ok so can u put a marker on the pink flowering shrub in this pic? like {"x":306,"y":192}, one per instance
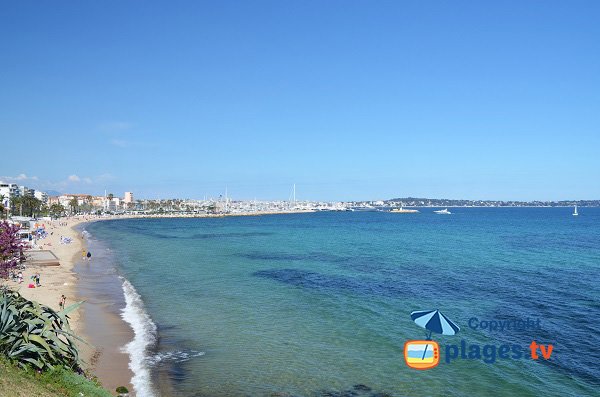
{"x":11,"y":247}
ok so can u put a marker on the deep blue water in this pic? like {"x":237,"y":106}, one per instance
{"x":319,"y":304}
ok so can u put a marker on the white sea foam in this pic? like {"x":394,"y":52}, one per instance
{"x":174,"y":356}
{"x":145,"y":337}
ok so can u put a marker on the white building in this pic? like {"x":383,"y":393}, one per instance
{"x":114,"y":204}
{"x":8,"y":191}
{"x":65,"y":199}
{"x":24,"y":191}
{"x":42,"y":196}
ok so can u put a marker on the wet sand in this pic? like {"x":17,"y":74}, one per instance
{"x":101,"y":320}
{"x":96,"y":321}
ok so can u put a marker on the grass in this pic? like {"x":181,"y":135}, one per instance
{"x":16,"y":382}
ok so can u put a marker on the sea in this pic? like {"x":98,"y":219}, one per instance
{"x":319,"y":304}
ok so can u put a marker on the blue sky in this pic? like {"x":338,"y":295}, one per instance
{"x":347,"y":99}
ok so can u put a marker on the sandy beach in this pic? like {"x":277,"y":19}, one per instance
{"x":97,"y":321}
{"x":103,"y":330}
{"x":57,"y":280}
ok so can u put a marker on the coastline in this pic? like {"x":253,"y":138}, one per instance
{"x":58,"y":280}
{"x":100,"y":321}
{"x":110,"y":366}
{"x":161,"y":379}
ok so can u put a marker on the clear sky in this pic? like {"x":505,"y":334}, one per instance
{"x":347,"y":99}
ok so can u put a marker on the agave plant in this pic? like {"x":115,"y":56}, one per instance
{"x":34,"y":334}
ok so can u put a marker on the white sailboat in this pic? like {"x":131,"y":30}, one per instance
{"x":575,"y":213}
{"x":443,"y":212}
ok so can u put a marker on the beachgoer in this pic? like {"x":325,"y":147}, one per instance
{"x":89,"y":255}
{"x":20,"y":277}
{"x":63,"y":300}
{"x":37,"y":280}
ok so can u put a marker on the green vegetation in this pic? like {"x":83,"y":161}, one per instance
{"x":26,"y":205}
{"x":38,"y":356}
{"x":56,"y":210}
{"x":74,"y":204}
{"x":18,"y":382}
{"x":2,"y":209}
{"x":34,"y":334}
{"x":432,"y":202}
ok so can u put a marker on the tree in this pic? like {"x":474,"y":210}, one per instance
{"x":2,"y":209}
{"x":89,"y":203}
{"x":16,"y":205}
{"x":25,"y":205}
{"x":31,"y":205}
{"x":11,"y":247}
{"x":56,"y":210}
{"x":44,"y":210}
{"x":73,"y":203}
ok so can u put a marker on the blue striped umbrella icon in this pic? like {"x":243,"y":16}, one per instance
{"x":434,"y":321}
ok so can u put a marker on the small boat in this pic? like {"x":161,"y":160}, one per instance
{"x":575,"y":211}
{"x":364,"y":208}
{"x":403,"y":211}
{"x":443,"y":212}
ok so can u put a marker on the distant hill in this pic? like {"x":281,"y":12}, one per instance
{"x":429,"y":202}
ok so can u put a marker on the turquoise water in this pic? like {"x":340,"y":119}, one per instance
{"x":319,"y":304}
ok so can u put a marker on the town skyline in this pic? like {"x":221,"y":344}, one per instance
{"x":8,"y":190}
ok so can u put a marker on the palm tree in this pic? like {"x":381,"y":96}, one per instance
{"x":16,"y":202}
{"x":73,"y":203}
{"x":30,"y":205}
{"x":87,"y":203}
{"x":44,"y":210}
{"x":56,"y":210}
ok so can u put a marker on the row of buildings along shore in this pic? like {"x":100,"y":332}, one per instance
{"x":9,"y":191}
{"x":11,"y":194}
{"x":109,"y":203}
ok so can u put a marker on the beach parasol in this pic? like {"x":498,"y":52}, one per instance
{"x":434,"y":321}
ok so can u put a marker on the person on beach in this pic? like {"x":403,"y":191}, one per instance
{"x":83,"y":254}
{"x":20,"y":277}
{"x":63,"y":301}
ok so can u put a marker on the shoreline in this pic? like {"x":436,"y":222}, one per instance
{"x":75,"y":228}
{"x":97,"y":321}
{"x":110,"y":366}
{"x":58,"y":280}
{"x":102,"y":322}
